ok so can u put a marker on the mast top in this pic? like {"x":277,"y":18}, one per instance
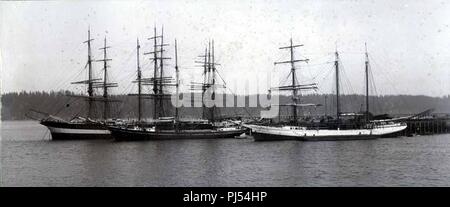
{"x":367,"y":54}
{"x":292,"y":60}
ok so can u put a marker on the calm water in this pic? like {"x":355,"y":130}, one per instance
{"x":29,"y":158}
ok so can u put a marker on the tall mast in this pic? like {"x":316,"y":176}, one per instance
{"x":213,"y":83}
{"x":294,"y":86}
{"x":209,"y":80}
{"x":161,"y":74}
{"x":139,"y":79}
{"x":90,"y":81}
{"x":367,"y":83}
{"x":177,"y":84}
{"x":105,"y":88}
{"x":336,"y":64}
{"x":294,"y":92}
{"x":97,"y":83}
{"x":208,"y":84}
{"x":155,"y":76}
{"x":205,"y":72}
{"x":105,"y":84}
{"x":158,"y":81}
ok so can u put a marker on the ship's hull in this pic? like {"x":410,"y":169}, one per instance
{"x":269,"y":133}
{"x":124,"y":134}
{"x":77,"y":131}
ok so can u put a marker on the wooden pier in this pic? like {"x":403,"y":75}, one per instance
{"x":427,"y":126}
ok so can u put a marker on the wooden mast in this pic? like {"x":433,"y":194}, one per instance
{"x":90,"y":80}
{"x":294,"y":85}
{"x":209,"y":80}
{"x":97,"y":83}
{"x":161,"y":75}
{"x":155,"y":76}
{"x":367,"y":83}
{"x":213,"y":82}
{"x":208,"y":83}
{"x":105,"y":84}
{"x":336,"y":64}
{"x":139,"y":80}
{"x":294,"y":92}
{"x":158,"y":81}
{"x":177,"y":84}
{"x":105,"y":81}
{"x":205,"y":72}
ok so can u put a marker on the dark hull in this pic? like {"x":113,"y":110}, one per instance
{"x":121,"y":134}
{"x":77,"y":131}
{"x":270,"y":137}
{"x":70,"y":136}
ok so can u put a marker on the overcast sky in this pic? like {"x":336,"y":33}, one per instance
{"x":408,"y":41}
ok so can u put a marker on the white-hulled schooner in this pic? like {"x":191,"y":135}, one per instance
{"x":331,"y":130}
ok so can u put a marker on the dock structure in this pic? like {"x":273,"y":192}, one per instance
{"x":428,"y":125}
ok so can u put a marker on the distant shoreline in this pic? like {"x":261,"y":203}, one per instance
{"x":16,"y":105}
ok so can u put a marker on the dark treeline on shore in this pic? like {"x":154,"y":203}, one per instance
{"x":16,"y":105}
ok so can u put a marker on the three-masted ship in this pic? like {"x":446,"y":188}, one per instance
{"x":162,"y":127}
{"x":86,"y":127}
{"x":336,"y":129}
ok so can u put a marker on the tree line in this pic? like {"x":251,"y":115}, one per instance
{"x":17,"y":105}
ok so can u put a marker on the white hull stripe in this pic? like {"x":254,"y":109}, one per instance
{"x":324,"y":132}
{"x":78,"y":131}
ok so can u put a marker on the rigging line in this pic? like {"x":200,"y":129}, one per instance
{"x":46,"y":102}
{"x":321,"y":72}
{"x":317,"y":64}
{"x":356,"y":53}
{"x":126,"y":63}
{"x":380,"y":67}
{"x":329,"y":71}
{"x":286,"y":79}
{"x":127,"y":88}
{"x":378,"y":104}
{"x":124,"y":77}
{"x":78,"y":112}
{"x":220,"y":76}
{"x":45,"y":134}
{"x":389,"y":81}
{"x":65,"y":105}
{"x":346,"y":80}
{"x":62,"y":83}
{"x":245,"y":108}
{"x":401,"y":97}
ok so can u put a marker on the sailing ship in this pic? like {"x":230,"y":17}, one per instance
{"x":162,"y":127}
{"x":337,"y":129}
{"x":86,"y":127}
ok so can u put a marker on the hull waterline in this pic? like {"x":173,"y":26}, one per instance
{"x":122,"y":134}
{"x":77,"y":131}
{"x":268,"y":133}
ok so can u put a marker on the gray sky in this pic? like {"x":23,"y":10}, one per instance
{"x":408,"y":41}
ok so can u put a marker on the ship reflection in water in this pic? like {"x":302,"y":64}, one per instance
{"x":28,"y":159}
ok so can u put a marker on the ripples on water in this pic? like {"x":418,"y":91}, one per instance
{"x":30,"y":159}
